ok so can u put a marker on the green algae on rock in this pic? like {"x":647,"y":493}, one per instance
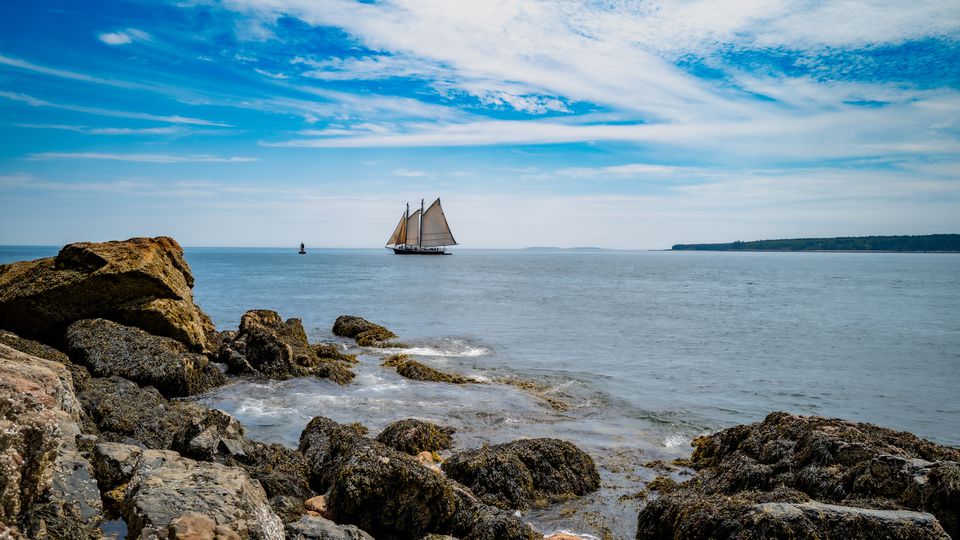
{"x":525,"y":473}
{"x":108,"y":348}
{"x":408,"y":367}
{"x":812,"y":476}
{"x":413,"y":436}
{"x":268,"y":346}
{"x":364,"y":332}
{"x":390,"y":494}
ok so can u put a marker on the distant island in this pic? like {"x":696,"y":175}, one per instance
{"x":921,"y":243}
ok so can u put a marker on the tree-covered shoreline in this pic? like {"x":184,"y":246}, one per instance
{"x":920,"y":243}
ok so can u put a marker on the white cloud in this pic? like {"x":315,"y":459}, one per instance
{"x":124,"y":37}
{"x":270,"y":74}
{"x":167,"y":130}
{"x":409,"y":172}
{"x":173,"y":119}
{"x":141,"y":158}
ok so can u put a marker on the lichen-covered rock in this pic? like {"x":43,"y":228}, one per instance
{"x":268,"y":346}
{"x":318,"y":528}
{"x":108,"y":348}
{"x":46,"y":485}
{"x":525,"y":473}
{"x":411,"y":369}
{"x":164,"y":486}
{"x":364,"y":332}
{"x":413,"y":436}
{"x":33,"y":348}
{"x":142,"y":282}
{"x":389,"y":494}
{"x":856,"y":465}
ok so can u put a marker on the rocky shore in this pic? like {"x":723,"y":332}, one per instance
{"x":99,"y":345}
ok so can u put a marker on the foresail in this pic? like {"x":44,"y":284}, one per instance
{"x":436,"y":230}
{"x":413,"y":229}
{"x":400,"y":233}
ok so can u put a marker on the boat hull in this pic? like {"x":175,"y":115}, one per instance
{"x":416,"y":251}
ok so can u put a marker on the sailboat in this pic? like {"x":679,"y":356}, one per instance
{"x":425,"y":232}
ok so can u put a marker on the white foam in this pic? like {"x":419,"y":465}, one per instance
{"x":432,"y":351}
{"x":675,"y":441}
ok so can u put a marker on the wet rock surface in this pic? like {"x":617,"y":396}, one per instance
{"x":46,"y":485}
{"x":142,"y":282}
{"x":525,"y":473}
{"x":107,"y":348}
{"x":390,"y":494}
{"x":413,"y":436}
{"x":364,"y":332}
{"x":268,"y":346}
{"x":408,"y":367}
{"x":781,"y":474}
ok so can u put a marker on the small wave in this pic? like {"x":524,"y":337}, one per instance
{"x":433,"y":351}
{"x":583,"y":536}
{"x":675,"y":441}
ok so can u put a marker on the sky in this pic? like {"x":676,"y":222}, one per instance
{"x":618,"y":124}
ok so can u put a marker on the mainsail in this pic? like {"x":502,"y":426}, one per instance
{"x":413,"y":229}
{"x":400,"y":233}
{"x":436,"y":230}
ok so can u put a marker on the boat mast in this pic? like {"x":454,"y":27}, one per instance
{"x":406,"y":227}
{"x":420,"y":233}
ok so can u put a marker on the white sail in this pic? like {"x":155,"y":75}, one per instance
{"x":400,"y":233}
{"x":413,"y":229}
{"x":436,"y":230}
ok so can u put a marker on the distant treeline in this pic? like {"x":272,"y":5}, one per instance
{"x":928,"y":242}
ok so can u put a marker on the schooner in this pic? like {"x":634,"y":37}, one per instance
{"x":425,"y":232}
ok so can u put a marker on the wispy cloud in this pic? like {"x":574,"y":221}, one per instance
{"x":409,"y":172}
{"x":123,"y":37}
{"x":141,"y":158}
{"x":167,"y":130}
{"x":172,"y":119}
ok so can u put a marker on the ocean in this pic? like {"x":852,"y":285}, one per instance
{"x":646,"y":349}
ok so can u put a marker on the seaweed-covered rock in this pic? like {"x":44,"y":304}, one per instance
{"x":268,"y":346}
{"x":108,"y":348}
{"x":411,"y":369}
{"x":142,"y":282}
{"x":46,"y":485}
{"x":164,"y":486}
{"x":413,"y":436}
{"x":331,"y":351}
{"x":364,"y":332}
{"x":388,"y":493}
{"x":524,"y":473}
{"x":855,"y":465}
{"x":318,"y":528}
{"x":124,"y":412}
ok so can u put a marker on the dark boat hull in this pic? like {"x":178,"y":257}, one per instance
{"x":415,"y":251}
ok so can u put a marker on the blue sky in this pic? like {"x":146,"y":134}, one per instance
{"x":569,"y":123}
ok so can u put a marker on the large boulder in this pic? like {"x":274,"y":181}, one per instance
{"x":164,"y":487}
{"x":525,"y":473}
{"x":268,"y":346}
{"x":46,"y":485}
{"x":364,"y":332}
{"x":841,"y":463}
{"x":108,"y":348}
{"x":413,"y":436}
{"x":142,"y":282}
{"x":390,"y":494}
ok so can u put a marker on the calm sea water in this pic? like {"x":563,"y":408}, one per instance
{"x":649,"y":348}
